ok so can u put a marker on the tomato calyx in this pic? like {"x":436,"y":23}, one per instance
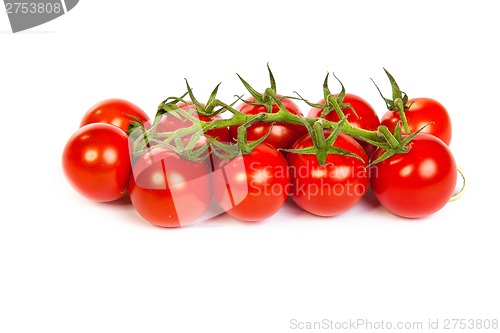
{"x":332,"y":102}
{"x":399,"y":143}
{"x":242,"y":146}
{"x":267,"y":98}
{"x":399,"y":101}
{"x":323,"y":146}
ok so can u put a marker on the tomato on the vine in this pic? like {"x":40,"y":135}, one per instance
{"x":333,"y":188}
{"x":96,"y":162}
{"x":282,"y":135}
{"x":168,"y":190}
{"x":420,"y":112}
{"x":417,"y":183}
{"x":116,"y":112}
{"x":365,"y":117}
{"x":254,"y":186}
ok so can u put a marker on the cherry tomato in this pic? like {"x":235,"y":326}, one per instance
{"x":170,"y":123}
{"x":115,"y":112}
{"x":333,"y":188}
{"x":96,"y":162}
{"x":421,"y":112}
{"x":282,"y":135}
{"x":252,"y":187}
{"x":168,"y":190}
{"x":366,"y":117}
{"x":417,"y":183}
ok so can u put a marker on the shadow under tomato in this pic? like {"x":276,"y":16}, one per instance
{"x":123,"y":201}
{"x":370,"y":200}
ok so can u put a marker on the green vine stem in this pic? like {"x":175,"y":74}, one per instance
{"x":381,"y":138}
{"x":378,"y":138}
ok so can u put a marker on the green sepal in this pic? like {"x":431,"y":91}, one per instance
{"x":307,"y":151}
{"x":271,"y":79}
{"x":229,"y":150}
{"x":335,"y":133}
{"x":170,"y":109}
{"x":331,"y":149}
{"x":398,"y":102}
{"x":243,"y":144}
{"x":326,"y":89}
{"x":171,"y":100}
{"x":397,"y":132}
{"x":133,"y":124}
{"x":211,"y":103}
{"x":251,"y":145}
{"x":314,"y":105}
{"x":313,"y":150}
{"x":340,"y":98}
{"x":396,"y":91}
{"x":410,"y":137}
{"x":255,"y":94}
{"x":403,"y":147}
{"x":385,"y":155}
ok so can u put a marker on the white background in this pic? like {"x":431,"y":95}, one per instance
{"x":70,"y":265}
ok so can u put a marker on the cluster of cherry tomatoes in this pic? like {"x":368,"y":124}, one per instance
{"x":170,"y":190}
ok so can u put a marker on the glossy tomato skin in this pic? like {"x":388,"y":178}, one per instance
{"x":282,"y":135}
{"x":421,"y":112}
{"x":170,"y":123}
{"x":366,"y":117}
{"x":252,"y":187}
{"x":418,"y":183}
{"x":331,"y":189}
{"x":114,"y":111}
{"x":168,"y":190}
{"x":96,"y":162}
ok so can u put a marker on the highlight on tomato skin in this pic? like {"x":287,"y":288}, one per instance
{"x":168,"y":190}
{"x":418,"y":183}
{"x":96,"y":162}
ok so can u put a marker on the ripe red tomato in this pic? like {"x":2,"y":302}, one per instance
{"x":115,"y":112}
{"x":421,"y":112}
{"x":168,"y":190}
{"x":252,"y":187}
{"x":366,"y":117}
{"x":333,"y":188}
{"x":96,"y":162}
{"x":282,"y":135}
{"x":170,"y":123}
{"x":417,"y":183}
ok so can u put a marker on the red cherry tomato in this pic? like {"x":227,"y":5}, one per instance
{"x":96,"y":162}
{"x":421,"y":112}
{"x":333,"y":188}
{"x":366,"y":117}
{"x":115,"y":112}
{"x":282,"y":135}
{"x":168,"y":190}
{"x":252,"y":187}
{"x":417,"y":183}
